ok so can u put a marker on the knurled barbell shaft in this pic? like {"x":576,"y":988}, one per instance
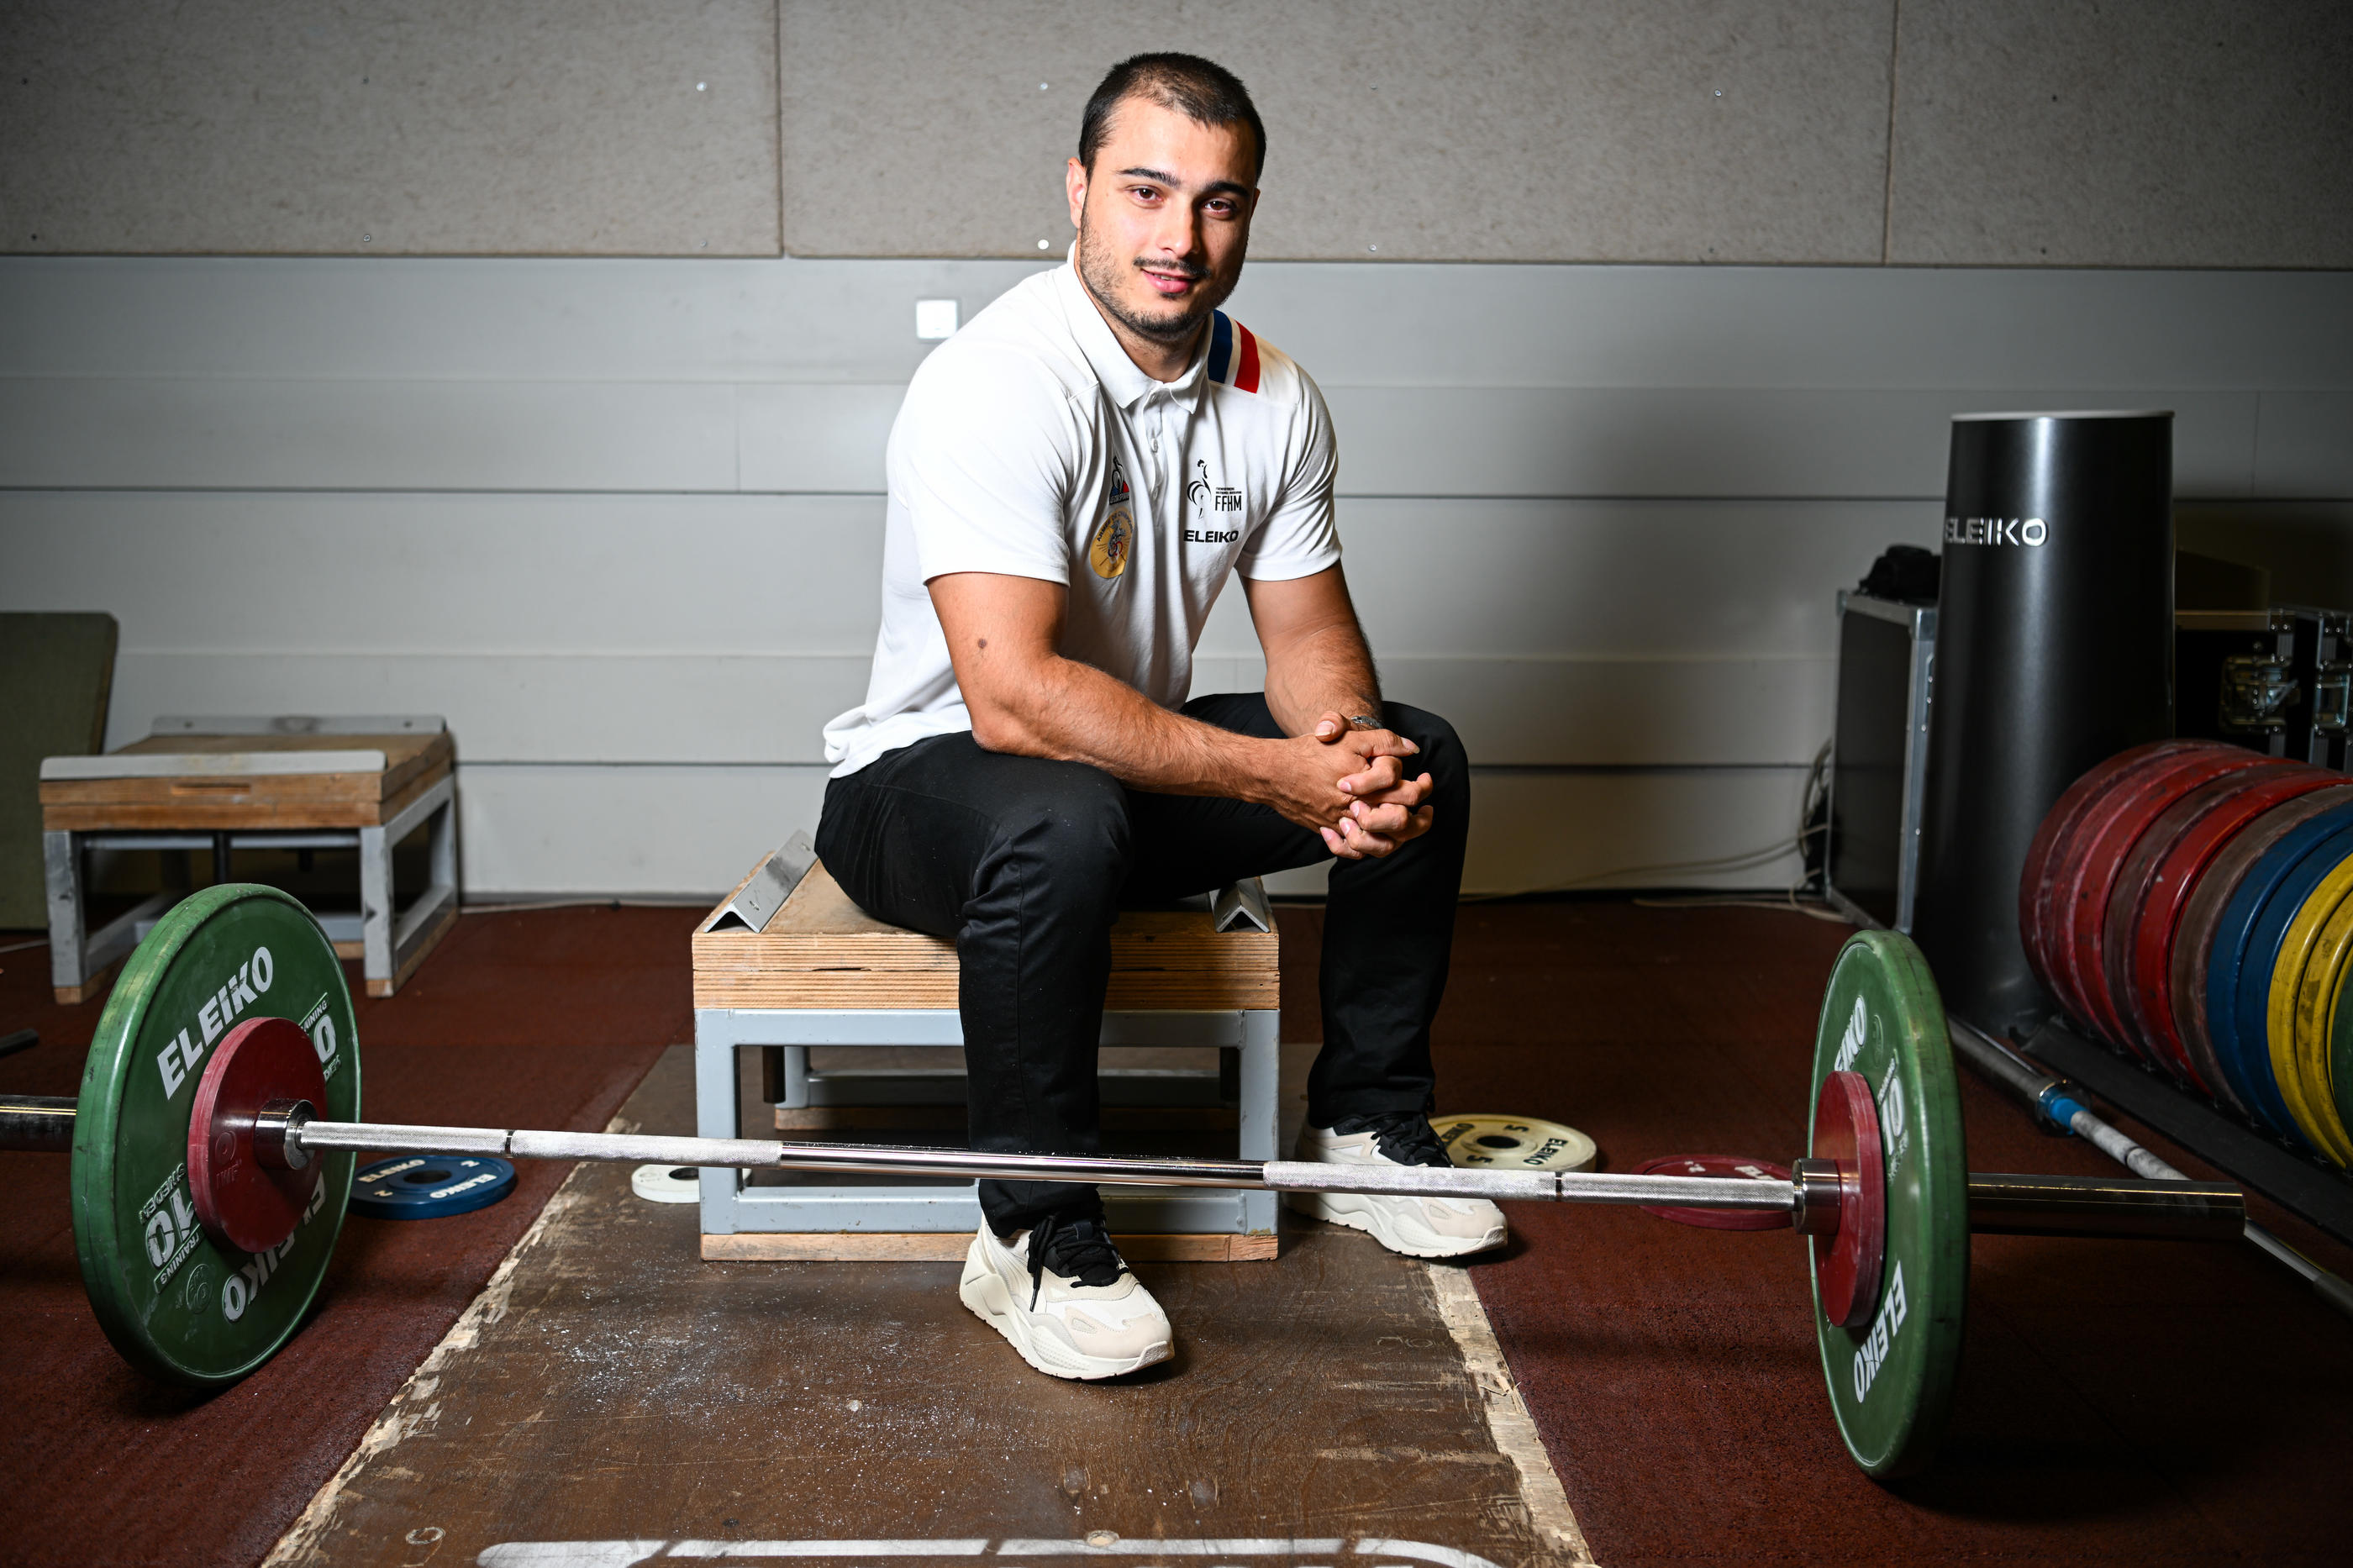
{"x":1282,"y":1175}
{"x":2016,"y":1204}
{"x":1999,"y":1204}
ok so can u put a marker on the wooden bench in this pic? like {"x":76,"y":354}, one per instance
{"x":788,"y":962}
{"x":224,"y":784}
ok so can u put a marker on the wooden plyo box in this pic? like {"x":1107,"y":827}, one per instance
{"x":247,"y":781}
{"x":822,"y":950}
{"x":819,"y":953}
{"x":242,"y":785}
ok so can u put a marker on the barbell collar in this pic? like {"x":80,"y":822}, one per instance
{"x":277,"y":1133}
{"x":1814,"y":1196}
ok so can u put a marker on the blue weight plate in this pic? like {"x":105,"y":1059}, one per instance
{"x":427,"y":1187}
{"x":2246,"y":943}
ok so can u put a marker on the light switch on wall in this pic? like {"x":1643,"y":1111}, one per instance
{"x":935,"y":318}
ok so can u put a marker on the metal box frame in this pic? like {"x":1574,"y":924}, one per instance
{"x":1247,"y":1039}
{"x":1919,"y":623}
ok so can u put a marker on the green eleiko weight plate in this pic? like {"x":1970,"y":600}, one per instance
{"x":1891,"y":1381}
{"x":176,"y":1303}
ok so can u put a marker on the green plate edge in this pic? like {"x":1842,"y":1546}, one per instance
{"x":104,"y":1080}
{"x":1937,"y":1304}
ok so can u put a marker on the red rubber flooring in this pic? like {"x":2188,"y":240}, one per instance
{"x":547,"y":1018}
{"x":2123,"y":1402}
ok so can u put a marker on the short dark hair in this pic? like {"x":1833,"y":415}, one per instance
{"x":1201,"y":91}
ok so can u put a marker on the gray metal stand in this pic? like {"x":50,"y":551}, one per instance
{"x":730,"y":1204}
{"x":390,"y":941}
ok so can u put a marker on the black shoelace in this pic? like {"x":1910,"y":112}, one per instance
{"x":1078,"y":1249}
{"x":1403,"y":1136}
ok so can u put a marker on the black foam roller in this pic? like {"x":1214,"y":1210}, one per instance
{"x":2054,"y":651}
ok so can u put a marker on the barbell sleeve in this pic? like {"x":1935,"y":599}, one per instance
{"x":36,"y":1123}
{"x":2089,"y":1206}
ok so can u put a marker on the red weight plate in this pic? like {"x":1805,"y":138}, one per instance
{"x":2135,"y":878}
{"x":2147,"y":985}
{"x":1720,"y":1165}
{"x":1848,"y":1260}
{"x":240,"y":1203}
{"x":2046,"y":852}
{"x":2201,"y":911}
{"x":2097,"y":854}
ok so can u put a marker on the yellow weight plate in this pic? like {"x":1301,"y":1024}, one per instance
{"x":1514,"y":1142}
{"x":2279,"y":1016}
{"x":2318,"y":995}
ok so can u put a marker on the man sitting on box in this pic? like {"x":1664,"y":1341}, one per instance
{"x":1072,"y":478}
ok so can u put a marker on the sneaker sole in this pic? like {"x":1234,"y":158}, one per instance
{"x":984,"y":1292}
{"x":1354,"y":1213}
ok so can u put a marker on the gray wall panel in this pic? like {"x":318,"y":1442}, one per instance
{"x":625,"y":830}
{"x":559,"y":319}
{"x":726,"y":710}
{"x":586,"y":829}
{"x":1816,"y":327}
{"x":455,"y":574}
{"x":571,"y":127}
{"x":1519,"y":129}
{"x":830,"y":438}
{"x":365,"y":435}
{"x":1706,"y":441}
{"x":1583,"y":562}
{"x":1720,"y":578}
{"x":2305,"y":444}
{"x":543,"y":707}
{"x":2157,"y":133}
{"x":1763,"y":328}
{"x":822,"y":437}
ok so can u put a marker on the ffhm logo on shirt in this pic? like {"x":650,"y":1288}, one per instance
{"x":2029,"y":531}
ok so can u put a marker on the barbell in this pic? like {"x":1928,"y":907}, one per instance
{"x":211,"y":1149}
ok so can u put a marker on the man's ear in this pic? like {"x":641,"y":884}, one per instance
{"x":1074,"y":183}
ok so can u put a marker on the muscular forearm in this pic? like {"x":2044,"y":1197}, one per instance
{"x":1327,"y":670}
{"x":1073,"y":712}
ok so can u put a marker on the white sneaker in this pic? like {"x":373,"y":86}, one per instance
{"x":1065,"y":1299}
{"x":1419,"y":1228}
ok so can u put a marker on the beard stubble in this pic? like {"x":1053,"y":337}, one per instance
{"x":1103,"y":273}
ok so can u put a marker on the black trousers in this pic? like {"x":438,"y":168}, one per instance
{"x":1025,"y":864}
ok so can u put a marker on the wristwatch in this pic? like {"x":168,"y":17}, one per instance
{"x":1365,"y":722}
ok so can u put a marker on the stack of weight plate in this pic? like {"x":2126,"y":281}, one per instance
{"x":2188,"y":901}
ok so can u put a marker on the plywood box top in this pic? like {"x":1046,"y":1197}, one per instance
{"x":243,"y":781}
{"x":821,"y":951}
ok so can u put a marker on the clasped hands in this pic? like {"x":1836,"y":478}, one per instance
{"x":1351,"y":787}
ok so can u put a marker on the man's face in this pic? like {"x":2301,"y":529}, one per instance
{"x":1163,"y":218}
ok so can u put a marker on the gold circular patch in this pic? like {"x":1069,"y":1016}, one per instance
{"x":1114,"y":543}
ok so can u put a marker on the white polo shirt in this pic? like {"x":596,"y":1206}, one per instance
{"x":1031,"y":446}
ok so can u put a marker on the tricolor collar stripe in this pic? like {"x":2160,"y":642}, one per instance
{"x":1233,"y":354}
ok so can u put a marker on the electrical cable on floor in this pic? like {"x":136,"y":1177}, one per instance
{"x":21,"y":946}
{"x":2056,"y":1102}
{"x":1817,"y":782}
{"x":1790,"y":904}
{"x":590,"y":903}
{"x":1747,"y":860}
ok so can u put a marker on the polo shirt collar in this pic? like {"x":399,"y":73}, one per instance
{"x":1119,"y":375}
